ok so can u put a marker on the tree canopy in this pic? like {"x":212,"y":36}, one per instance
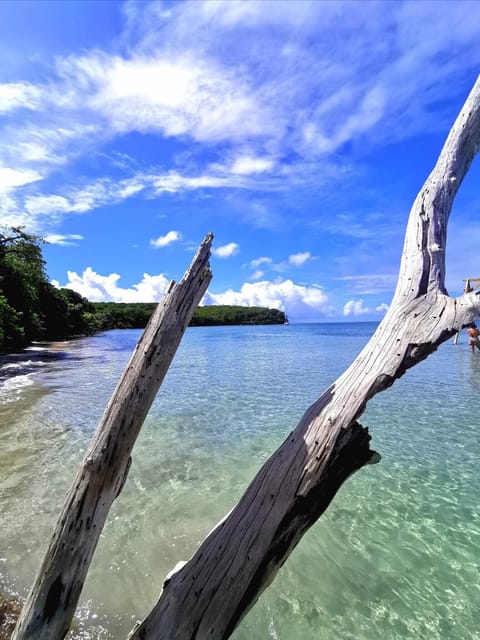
{"x":135,"y":315}
{"x":31,"y":308}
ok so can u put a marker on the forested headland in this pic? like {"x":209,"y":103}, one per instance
{"x":32,"y":309}
{"x":135,"y":315}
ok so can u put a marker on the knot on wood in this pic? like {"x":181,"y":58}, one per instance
{"x":53,"y":598}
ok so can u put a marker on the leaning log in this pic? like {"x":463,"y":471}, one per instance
{"x":208,"y":596}
{"x":49,"y":609}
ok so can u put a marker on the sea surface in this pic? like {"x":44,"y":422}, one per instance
{"x":396,"y":555}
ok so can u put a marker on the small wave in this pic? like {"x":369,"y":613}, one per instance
{"x":14,"y":371}
{"x":18,"y":382}
{"x":12,"y":388}
{"x":14,"y":366}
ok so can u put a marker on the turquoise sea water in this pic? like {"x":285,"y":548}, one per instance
{"x":396,"y":555}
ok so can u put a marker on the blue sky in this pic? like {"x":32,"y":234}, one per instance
{"x":297,"y":132}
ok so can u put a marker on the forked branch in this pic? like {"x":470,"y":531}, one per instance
{"x":209,"y":595}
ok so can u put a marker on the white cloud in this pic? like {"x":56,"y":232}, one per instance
{"x":240,"y":74}
{"x":256,"y":275}
{"x":371,"y":283}
{"x":299,"y":301}
{"x":262,"y":260}
{"x":298,"y":259}
{"x":382,"y":308}
{"x":46,"y":205}
{"x":226,"y":251}
{"x":64,"y":240}
{"x":86,"y":198}
{"x":19,"y":94}
{"x":98,"y":288}
{"x":355,"y":308}
{"x":248,"y":165}
{"x":173,"y":182}
{"x":174,"y":94}
{"x":164,"y":241}
{"x":40,"y":210}
{"x":358,"y":308}
{"x":12,"y":178}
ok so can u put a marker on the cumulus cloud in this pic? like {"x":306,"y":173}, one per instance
{"x":99,"y":288}
{"x":298,"y":259}
{"x":358,"y":308}
{"x":164,"y":241}
{"x":382,"y":308}
{"x":355,"y":308}
{"x":256,"y":275}
{"x":226,"y":251}
{"x":299,"y":301}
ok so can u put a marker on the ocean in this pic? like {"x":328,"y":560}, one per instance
{"x":396,"y":555}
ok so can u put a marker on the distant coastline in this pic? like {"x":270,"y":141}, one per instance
{"x":134,"y":315}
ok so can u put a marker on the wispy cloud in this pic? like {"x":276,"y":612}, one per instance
{"x":236,"y":79}
{"x":42,"y":208}
{"x":262,"y":260}
{"x":63,"y":240}
{"x":12,"y":178}
{"x":15,"y":95}
{"x":370,"y":283}
{"x":168,"y":238}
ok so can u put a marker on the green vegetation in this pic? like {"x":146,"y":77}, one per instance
{"x":223,"y":314}
{"x":135,"y":315}
{"x":33,"y":309}
{"x":123,"y":315}
{"x":30,"y":307}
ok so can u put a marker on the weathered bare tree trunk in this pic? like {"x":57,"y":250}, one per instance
{"x":208,"y":596}
{"x":51,"y":604}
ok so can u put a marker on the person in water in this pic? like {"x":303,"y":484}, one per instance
{"x":473,"y":337}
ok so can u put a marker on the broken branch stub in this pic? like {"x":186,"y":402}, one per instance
{"x":209,"y":595}
{"x":51,"y":604}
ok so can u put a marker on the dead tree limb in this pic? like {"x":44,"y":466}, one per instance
{"x":209,"y":595}
{"x":49,"y":609}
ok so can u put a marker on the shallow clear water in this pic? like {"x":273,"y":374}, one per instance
{"x":396,"y":555}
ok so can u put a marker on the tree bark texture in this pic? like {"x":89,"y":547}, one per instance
{"x":209,"y":595}
{"x":51,"y":604}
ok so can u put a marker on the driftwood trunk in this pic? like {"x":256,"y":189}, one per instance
{"x":208,"y":596}
{"x":49,"y":609}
